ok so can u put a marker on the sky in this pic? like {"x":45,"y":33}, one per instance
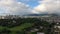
{"x":22,"y":7}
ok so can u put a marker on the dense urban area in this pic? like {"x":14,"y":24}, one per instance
{"x":29,"y":25}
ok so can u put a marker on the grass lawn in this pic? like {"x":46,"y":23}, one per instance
{"x":17,"y":28}
{"x":21,"y":27}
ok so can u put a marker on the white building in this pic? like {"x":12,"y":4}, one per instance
{"x":40,"y":33}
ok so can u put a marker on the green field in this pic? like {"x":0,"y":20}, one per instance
{"x":17,"y":28}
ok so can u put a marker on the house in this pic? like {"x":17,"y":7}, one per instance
{"x":40,"y":33}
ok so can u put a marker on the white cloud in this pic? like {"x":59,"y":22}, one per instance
{"x":48,"y":6}
{"x":14,"y":7}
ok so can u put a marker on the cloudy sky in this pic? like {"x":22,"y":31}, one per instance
{"x":22,"y":7}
